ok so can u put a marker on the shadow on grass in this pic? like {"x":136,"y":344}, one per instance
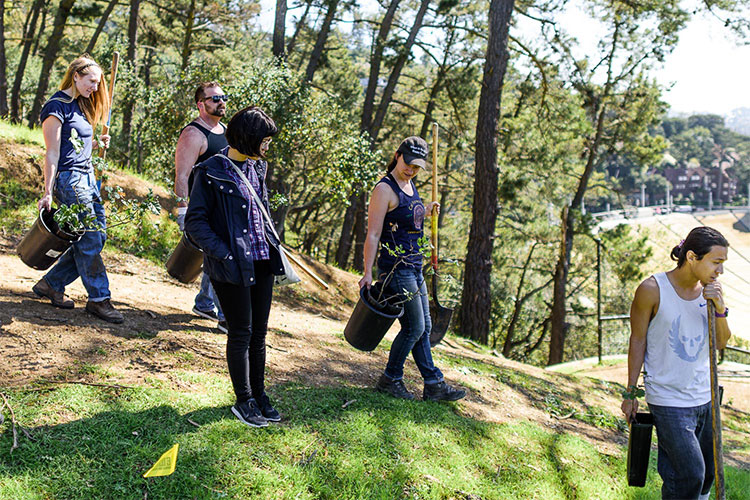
{"x":104,"y":455}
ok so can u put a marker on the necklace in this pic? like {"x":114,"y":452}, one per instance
{"x":209,"y":127}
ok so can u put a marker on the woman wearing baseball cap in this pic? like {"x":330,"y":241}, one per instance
{"x":395,"y":224}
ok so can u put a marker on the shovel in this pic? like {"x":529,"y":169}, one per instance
{"x":719,"y":486}
{"x":441,"y":316}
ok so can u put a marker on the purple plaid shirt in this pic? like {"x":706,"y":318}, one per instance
{"x":258,"y":248}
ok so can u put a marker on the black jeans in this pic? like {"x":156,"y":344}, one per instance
{"x":246,"y":311}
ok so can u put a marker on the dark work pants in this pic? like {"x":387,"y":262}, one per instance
{"x":246,"y":311}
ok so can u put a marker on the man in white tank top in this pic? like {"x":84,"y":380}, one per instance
{"x":669,"y":339}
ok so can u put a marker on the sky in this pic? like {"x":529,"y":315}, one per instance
{"x":708,"y":72}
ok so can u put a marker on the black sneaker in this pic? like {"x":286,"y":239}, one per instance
{"x":249,"y":413}
{"x":395,"y":388}
{"x":442,"y":392}
{"x":222,"y":326}
{"x":206,"y":314}
{"x":267,"y":410}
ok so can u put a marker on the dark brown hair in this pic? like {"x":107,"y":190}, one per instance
{"x":699,"y":240}
{"x":247,"y":129}
{"x":200,"y":92}
{"x":393,"y":163}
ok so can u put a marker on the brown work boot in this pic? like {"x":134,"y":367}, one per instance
{"x":105,"y":311}
{"x":57,"y":299}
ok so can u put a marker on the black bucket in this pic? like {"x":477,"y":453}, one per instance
{"x":369,"y":322}
{"x":186,"y":261}
{"x":45,"y":242}
{"x":639,"y":448}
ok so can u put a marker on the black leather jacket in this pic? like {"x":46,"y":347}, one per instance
{"x":218,"y":220}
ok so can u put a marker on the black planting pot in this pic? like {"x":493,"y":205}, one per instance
{"x":186,"y":261}
{"x":639,"y":448}
{"x":370,"y":321}
{"x":45,"y":242}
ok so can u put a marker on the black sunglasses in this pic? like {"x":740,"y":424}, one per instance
{"x":217,"y":98}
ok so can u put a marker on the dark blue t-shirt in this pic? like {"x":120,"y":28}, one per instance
{"x":402,"y":229}
{"x":66,"y":109}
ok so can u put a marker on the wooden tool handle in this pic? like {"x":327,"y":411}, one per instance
{"x":715,"y":407}
{"x":112,"y":79}
{"x":307,"y":270}
{"x":434,"y":219}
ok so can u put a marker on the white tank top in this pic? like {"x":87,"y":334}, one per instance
{"x":676,"y":364}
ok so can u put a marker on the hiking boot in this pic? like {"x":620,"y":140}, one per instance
{"x":442,"y":392}
{"x":104,"y":310}
{"x":267,"y":410}
{"x":222,"y":326}
{"x":206,"y":314}
{"x":249,"y":414}
{"x":57,"y":299}
{"x":395,"y":388}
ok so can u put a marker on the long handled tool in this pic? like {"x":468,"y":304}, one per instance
{"x":715,"y":404}
{"x":322,"y":284}
{"x":441,"y":316}
{"x":112,"y":78}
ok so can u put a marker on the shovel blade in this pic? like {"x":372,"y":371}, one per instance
{"x":441,"y":320}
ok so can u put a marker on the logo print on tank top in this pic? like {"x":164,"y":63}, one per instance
{"x":687,"y":347}
{"x":418,"y":210}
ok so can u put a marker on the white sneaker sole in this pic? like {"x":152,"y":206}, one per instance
{"x":249,"y":424}
{"x":205,"y":315}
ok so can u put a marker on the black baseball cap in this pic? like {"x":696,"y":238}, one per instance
{"x":414,"y":149}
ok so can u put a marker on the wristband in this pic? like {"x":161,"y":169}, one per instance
{"x":181,"y":210}
{"x":723,"y":315}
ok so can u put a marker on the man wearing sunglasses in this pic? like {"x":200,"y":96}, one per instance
{"x":199,"y":140}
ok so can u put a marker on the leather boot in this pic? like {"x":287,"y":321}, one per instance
{"x":395,"y":388}
{"x":105,"y":311}
{"x":57,"y":299}
{"x":442,"y":392}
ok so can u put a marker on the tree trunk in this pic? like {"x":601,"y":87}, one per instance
{"x":354,"y":208}
{"x":28,"y":41}
{"x":300,"y":23}
{"x":99,"y":27}
{"x":347,"y":227}
{"x":129,"y":103}
{"x":320,"y":42}
{"x":3,"y":65}
{"x":476,"y":299}
{"x":279,"y":30}
{"x":188,"y":34}
{"x":360,"y":232}
{"x":559,"y":325}
{"x":508,"y":344}
{"x":50,"y":54}
{"x":403,"y":56}
{"x":368,"y":107}
{"x":42,"y":25}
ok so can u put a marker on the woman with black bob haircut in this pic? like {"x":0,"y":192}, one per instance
{"x":241,"y":254}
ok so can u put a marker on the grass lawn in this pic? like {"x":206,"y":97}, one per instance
{"x":21,"y":133}
{"x":96,"y":442}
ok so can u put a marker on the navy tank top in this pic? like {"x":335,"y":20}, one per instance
{"x":402,"y":229}
{"x":216,"y":142}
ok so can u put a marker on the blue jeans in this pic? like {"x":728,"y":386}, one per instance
{"x":206,"y":298}
{"x":83,"y":258}
{"x":686,"y":454}
{"x":415,"y":328}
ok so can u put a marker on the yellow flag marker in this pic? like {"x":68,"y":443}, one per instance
{"x":165,"y":465}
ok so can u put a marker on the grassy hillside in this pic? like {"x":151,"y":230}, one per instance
{"x":94,"y":405}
